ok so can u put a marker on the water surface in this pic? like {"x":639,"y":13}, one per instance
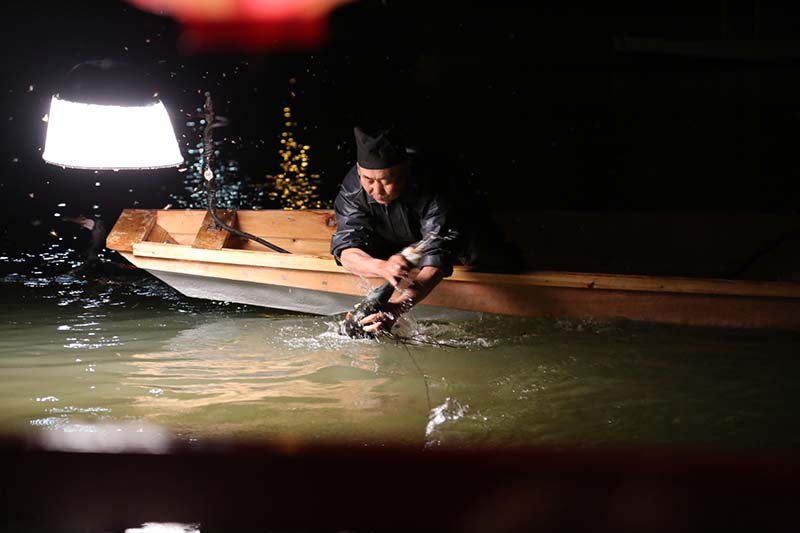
{"x":129,"y":354}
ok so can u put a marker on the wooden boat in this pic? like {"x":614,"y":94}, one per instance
{"x":182,"y":249}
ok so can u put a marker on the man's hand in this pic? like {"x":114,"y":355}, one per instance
{"x":394,"y":269}
{"x":427,"y":278}
{"x":360,"y":262}
{"x":382,"y":321}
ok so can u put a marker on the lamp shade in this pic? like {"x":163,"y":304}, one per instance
{"x":105,"y":118}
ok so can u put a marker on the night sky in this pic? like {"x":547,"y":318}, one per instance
{"x":625,"y":106}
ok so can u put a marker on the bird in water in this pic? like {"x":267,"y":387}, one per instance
{"x":372,"y":303}
{"x":92,"y":263}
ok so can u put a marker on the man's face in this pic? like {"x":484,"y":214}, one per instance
{"x":385,"y":185}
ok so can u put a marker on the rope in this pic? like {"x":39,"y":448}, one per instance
{"x":213,"y":121}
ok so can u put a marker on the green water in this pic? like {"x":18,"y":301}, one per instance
{"x":132,"y":356}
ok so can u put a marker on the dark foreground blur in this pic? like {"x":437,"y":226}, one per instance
{"x":295,"y":486}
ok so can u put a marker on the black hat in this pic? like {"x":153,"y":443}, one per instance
{"x":381,"y":149}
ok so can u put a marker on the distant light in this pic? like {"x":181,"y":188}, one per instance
{"x":110,"y":137}
{"x":247,"y":24}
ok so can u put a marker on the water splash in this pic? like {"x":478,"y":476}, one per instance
{"x":444,"y":334}
{"x":447,"y":413}
{"x":167,"y":527}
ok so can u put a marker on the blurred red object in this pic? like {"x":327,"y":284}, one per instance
{"x":247,"y":24}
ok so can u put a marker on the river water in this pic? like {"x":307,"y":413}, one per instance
{"x":111,"y":354}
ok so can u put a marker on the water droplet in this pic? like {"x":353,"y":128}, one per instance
{"x":47,"y":399}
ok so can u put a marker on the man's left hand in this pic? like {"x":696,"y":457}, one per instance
{"x":382,"y":321}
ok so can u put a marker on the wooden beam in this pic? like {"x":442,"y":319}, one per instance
{"x":301,"y":224}
{"x":159,"y":234}
{"x":132,"y":226}
{"x":575,"y":280}
{"x":181,"y":221}
{"x":229,"y":256}
{"x":211,"y":237}
{"x":627,"y":282}
{"x":269,"y":223}
{"x":315,"y":247}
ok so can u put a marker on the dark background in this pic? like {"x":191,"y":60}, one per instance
{"x":557,"y":106}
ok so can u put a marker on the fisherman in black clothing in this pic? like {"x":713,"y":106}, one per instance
{"x":391,"y":198}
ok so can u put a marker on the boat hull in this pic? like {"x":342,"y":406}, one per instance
{"x":313,"y":283}
{"x":284,"y":298}
{"x":457,"y":300}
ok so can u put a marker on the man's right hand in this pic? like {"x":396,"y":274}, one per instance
{"x":394,"y":269}
{"x":361,"y":263}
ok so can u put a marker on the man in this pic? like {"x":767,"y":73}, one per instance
{"x":388,"y":200}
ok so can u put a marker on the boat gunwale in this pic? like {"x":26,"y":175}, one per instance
{"x":557,"y":279}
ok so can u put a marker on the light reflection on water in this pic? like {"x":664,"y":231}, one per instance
{"x":252,"y":360}
{"x":122,"y":354}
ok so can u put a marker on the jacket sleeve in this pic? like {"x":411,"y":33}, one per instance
{"x":353,"y":228}
{"x":434,"y":218}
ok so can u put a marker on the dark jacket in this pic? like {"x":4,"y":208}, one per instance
{"x":383,"y":230}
